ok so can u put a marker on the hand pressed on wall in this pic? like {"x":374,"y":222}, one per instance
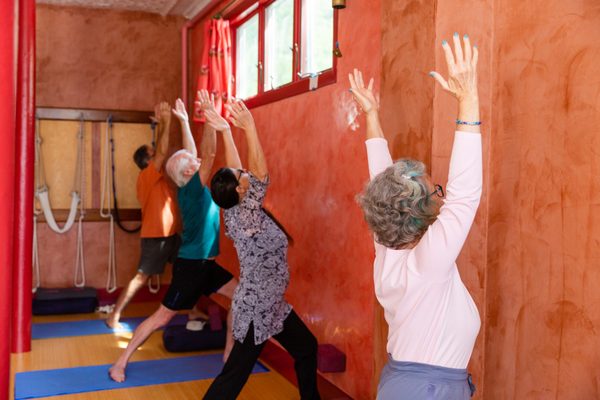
{"x":240,"y":115}
{"x":364,"y":96}
{"x":462,"y":69}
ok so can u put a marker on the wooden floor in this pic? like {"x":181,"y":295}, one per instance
{"x":105,"y":349}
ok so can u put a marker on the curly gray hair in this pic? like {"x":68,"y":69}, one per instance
{"x":397,"y":204}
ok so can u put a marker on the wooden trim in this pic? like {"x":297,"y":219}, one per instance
{"x":291,"y":89}
{"x":74,"y":114}
{"x":93,"y":215}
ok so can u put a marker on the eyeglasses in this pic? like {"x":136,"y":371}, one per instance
{"x":241,"y":172}
{"x":439,"y":191}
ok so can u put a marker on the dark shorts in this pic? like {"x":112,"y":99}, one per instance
{"x":156,"y":252}
{"x":192,"y":279}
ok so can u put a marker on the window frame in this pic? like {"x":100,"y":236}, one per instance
{"x":298,"y":85}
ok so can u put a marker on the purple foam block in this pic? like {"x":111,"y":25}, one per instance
{"x":214,"y":318}
{"x":330,"y":359}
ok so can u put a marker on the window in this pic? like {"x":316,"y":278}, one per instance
{"x":246,"y":52}
{"x":280,"y":45}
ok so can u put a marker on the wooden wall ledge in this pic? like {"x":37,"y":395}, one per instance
{"x":93,"y":215}
{"x":74,"y":114}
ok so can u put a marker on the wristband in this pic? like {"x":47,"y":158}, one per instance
{"x":460,"y":122}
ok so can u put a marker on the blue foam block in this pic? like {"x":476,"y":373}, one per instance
{"x":89,"y":327}
{"x":55,"y":382}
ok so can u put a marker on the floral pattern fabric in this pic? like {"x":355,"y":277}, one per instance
{"x":262,"y":250}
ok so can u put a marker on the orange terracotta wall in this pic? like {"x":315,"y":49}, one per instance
{"x":543,"y":317}
{"x":531,"y":259}
{"x":317,"y":165}
{"x":90,"y":58}
{"x":407,"y":38}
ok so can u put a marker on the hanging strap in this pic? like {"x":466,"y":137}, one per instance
{"x":114,"y":184}
{"x":154,"y":289}
{"x":111,"y":276}
{"x":153,"y":124}
{"x":36,"y":258}
{"x":79,"y":276}
{"x":42,"y":190}
{"x":105,"y":199}
{"x":38,"y":178}
{"x":42,"y":195}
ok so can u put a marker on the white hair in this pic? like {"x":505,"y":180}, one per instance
{"x":176,"y":164}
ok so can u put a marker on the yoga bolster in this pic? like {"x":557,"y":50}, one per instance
{"x":176,"y":338}
{"x":64,"y":301}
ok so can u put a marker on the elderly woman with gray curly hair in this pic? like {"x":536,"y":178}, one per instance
{"x":433,"y":321}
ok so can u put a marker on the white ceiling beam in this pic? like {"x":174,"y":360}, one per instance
{"x":195,"y":7}
{"x":168,"y":6}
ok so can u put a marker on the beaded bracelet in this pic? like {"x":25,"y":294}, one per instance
{"x":460,"y":122}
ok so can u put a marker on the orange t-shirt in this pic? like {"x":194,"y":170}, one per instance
{"x":160,"y":214}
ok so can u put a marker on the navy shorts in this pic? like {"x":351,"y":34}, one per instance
{"x":192,"y":279}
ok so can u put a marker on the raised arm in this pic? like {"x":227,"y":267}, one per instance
{"x":438,"y":249}
{"x":217,"y":122}
{"x":162,"y":115}
{"x":242,"y":118}
{"x":186,"y":134}
{"x":378,"y":152}
{"x":208,"y":149}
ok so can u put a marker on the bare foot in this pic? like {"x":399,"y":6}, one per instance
{"x":117,"y":373}
{"x":113,"y":321}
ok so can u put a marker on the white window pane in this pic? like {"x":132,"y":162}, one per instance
{"x":279,"y":39}
{"x":246,"y":58}
{"x":317,"y":36}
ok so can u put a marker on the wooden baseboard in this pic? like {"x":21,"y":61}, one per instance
{"x":93,"y":215}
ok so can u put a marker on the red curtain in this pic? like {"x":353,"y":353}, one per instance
{"x":216,"y":70}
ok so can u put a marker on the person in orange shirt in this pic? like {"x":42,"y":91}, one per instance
{"x":160,"y":215}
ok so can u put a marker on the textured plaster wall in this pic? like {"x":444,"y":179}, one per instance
{"x":90,"y":58}
{"x":543,"y":308}
{"x":531,"y":258}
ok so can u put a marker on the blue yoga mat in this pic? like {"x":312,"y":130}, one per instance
{"x":55,"y":382}
{"x":90,"y":327}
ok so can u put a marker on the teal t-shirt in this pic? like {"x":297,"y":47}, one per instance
{"x":200,"y":216}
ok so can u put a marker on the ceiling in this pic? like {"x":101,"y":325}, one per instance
{"x":186,"y":8}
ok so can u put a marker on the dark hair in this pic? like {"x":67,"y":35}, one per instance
{"x":141,"y":157}
{"x":223,"y":188}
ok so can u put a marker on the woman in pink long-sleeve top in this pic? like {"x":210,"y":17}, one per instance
{"x":433,"y":321}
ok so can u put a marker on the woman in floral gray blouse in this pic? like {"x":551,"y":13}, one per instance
{"x":259,"y":309}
